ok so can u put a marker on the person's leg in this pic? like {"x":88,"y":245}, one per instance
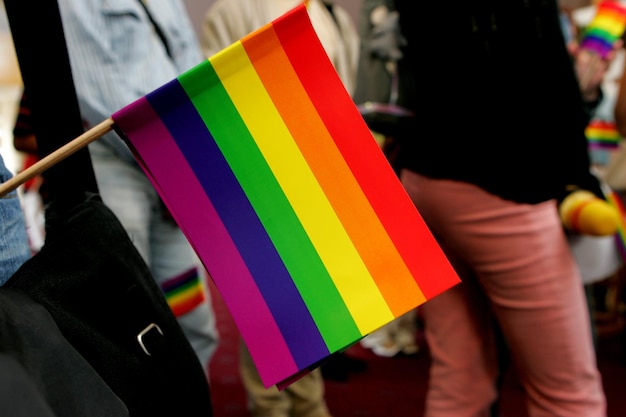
{"x":463,"y":371}
{"x":177,"y":270}
{"x":521,"y":259}
{"x":307,"y":396}
{"x":262,"y":402}
{"x":458,"y":329}
{"x":545,"y":319}
{"x":123,"y":190}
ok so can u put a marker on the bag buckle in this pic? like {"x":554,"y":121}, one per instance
{"x":144,"y":332}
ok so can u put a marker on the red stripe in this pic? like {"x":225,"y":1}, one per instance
{"x":405,"y":226}
{"x":188,"y":304}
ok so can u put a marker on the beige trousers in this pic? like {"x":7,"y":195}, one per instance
{"x":303,"y":398}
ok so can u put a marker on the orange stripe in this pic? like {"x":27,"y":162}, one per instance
{"x":186,"y":304}
{"x":360,"y":221}
{"x":385,"y":193}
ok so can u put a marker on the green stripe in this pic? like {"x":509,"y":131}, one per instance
{"x":183,"y":288}
{"x":309,"y":274}
{"x":602,"y":33}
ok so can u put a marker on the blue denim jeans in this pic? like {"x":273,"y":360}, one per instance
{"x":14,"y":249}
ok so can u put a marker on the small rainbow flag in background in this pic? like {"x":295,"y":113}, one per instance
{"x":602,"y":134}
{"x":269,"y":169}
{"x":184,"y":292}
{"x":606,"y":27}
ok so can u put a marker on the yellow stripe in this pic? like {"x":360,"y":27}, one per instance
{"x":184,"y":296}
{"x":353,"y":280}
{"x":610,"y":24}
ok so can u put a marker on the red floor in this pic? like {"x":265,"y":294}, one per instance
{"x":391,"y":387}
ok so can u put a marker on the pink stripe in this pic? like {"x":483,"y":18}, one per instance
{"x":209,"y":237}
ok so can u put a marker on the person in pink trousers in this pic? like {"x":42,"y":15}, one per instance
{"x":498,"y":137}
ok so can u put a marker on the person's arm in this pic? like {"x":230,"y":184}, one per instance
{"x":620,"y":107}
{"x":116,"y":58}
{"x":227,"y":21}
{"x":590,"y":68}
{"x":591,"y":71}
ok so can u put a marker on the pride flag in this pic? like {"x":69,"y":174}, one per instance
{"x":606,"y":27}
{"x":602,"y":134}
{"x":269,"y":169}
{"x":184,"y":292}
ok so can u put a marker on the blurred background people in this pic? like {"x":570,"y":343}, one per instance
{"x":487,"y":187}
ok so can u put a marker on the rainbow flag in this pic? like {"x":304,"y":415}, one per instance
{"x":606,"y":27}
{"x":602,"y":134}
{"x":269,"y":169}
{"x":184,"y":292}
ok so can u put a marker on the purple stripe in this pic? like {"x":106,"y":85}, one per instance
{"x":601,"y":46}
{"x":187,"y":199}
{"x":241,"y":220}
{"x":185,"y":277}
{"x":602,"y":145}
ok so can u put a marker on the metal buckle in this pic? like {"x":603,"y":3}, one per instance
{"x":144,"y":332}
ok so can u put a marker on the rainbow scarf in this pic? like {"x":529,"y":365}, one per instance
{"x":606,"y":27}
{"x":266,"y":164}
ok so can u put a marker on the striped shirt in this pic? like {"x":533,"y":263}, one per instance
{"x":117,"y":57}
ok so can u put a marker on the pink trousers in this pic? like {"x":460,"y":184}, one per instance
{"x":515,"y":266}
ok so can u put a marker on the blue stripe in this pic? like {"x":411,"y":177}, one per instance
{"x":229,"y":199}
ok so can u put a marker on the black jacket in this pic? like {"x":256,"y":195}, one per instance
{"x":497,"y":99}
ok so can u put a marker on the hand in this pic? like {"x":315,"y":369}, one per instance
{"x":591,"y":70}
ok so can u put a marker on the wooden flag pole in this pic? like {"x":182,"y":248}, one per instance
{"x":57,"y":156}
